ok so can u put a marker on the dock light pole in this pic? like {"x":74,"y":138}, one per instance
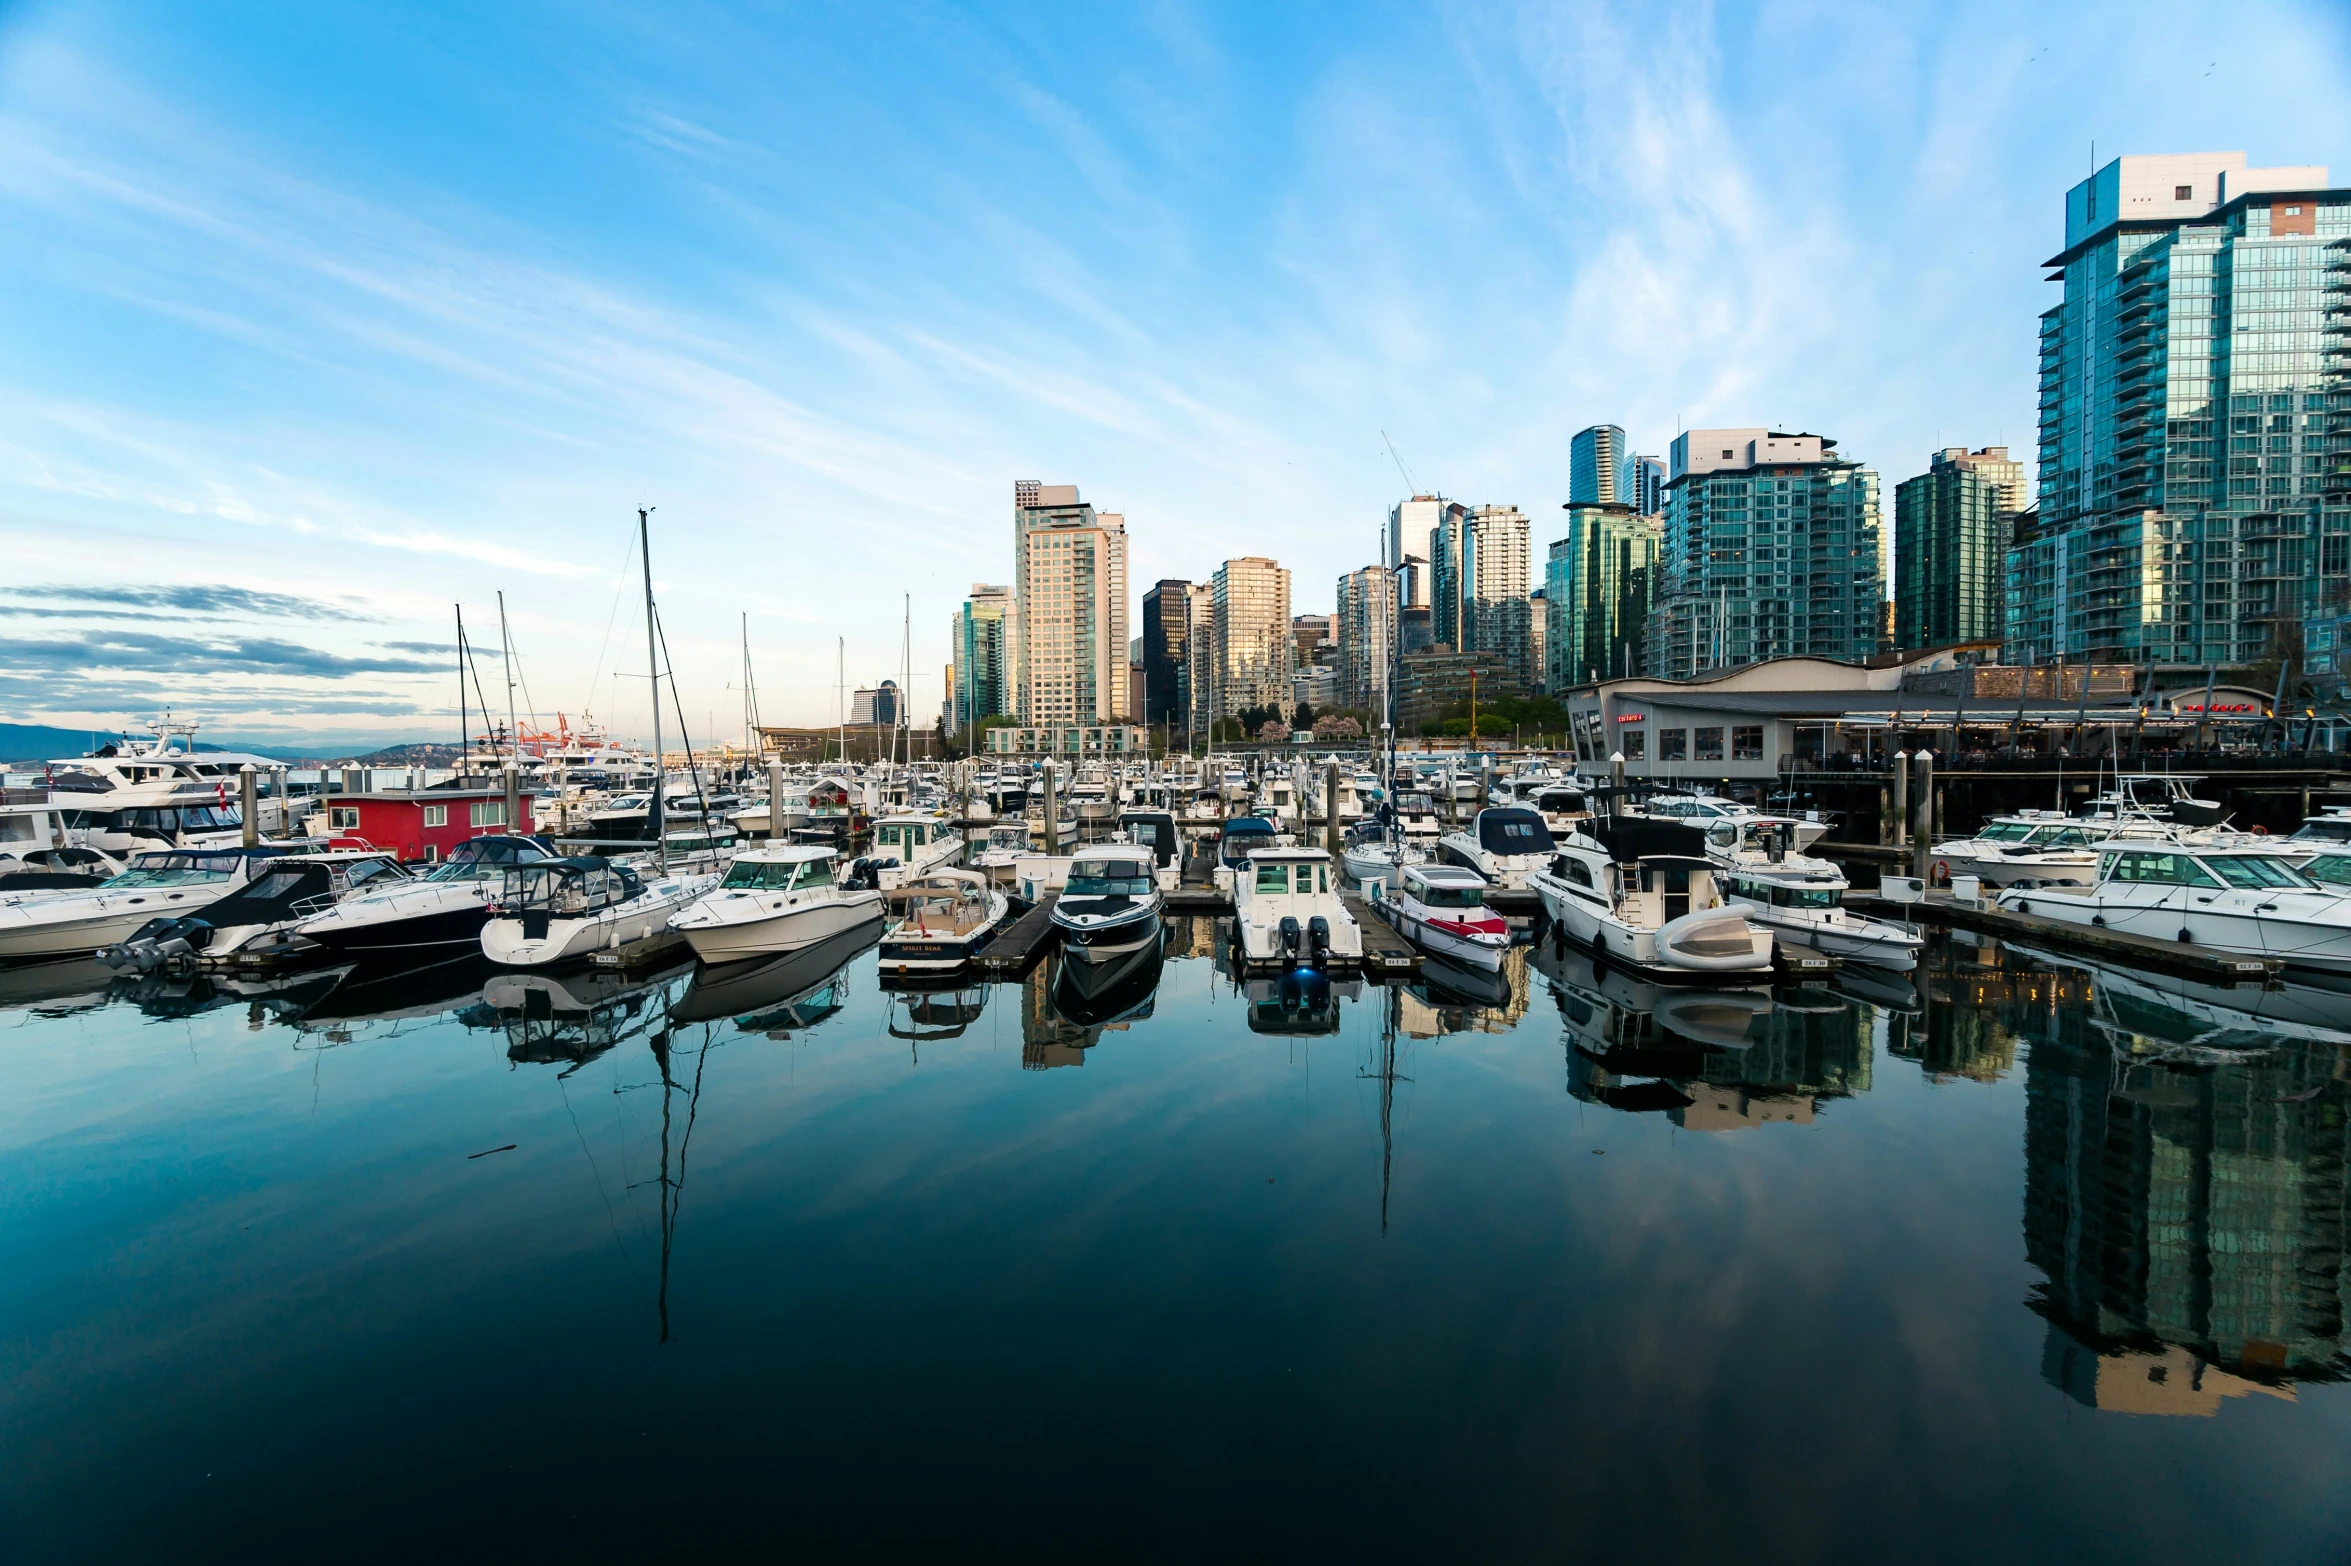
{"x":1922,"y":841}
{"x":249,"y":803}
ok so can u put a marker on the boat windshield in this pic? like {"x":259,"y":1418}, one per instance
{"x":2254,"y":873}
{"x":1274,"y":879}
{"x":777,"y":875}
{"x":2325,"y":829}
{"x":1108,"y":879}
{"x":2329,"y":870}
{"x":2059,"y":837}
{"x":1453,"y":896}
{"x":2006,"y":832}
{"x":176,"y":870}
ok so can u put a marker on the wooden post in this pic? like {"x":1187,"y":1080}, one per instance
{"x":1901,"y":821}
{"x":775,"y":798}
{"x":249,"y":803}
{"x":1330,"y":808}
{"x":513,"y":798}
{"x":1923,"y":839}
{"x":1052,"y":830}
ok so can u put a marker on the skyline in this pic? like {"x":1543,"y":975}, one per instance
{"x":291,"y":364}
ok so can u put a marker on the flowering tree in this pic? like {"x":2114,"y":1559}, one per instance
{"x":1276,"y":731}
{"x":1337,"y":726}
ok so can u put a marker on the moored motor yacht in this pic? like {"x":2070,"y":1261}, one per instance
{"x":1800,"y":899}
{"x":442,"y":912}
{"x":2041,"y":847}
{"x":2244,"y":901}
{"x":1442,"y":910}
{"x":1156,"y":831}
{"x":56,"y":923}
{"x":258,"y":920}
{"x":776,"y":898}
{"x":1703,"y":810}
{"x":1377,"y":852}
{"x":1109,"y":905}
{"x":1640,"y":891}
{"x":551,"y":911}
{"x":1288,"y":915}
{"x":1504,"y":844}
{"x":913,"y":844}
{"x":946,"y":917}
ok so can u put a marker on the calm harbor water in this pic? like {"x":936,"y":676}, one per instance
{"x":2026,"y":1261}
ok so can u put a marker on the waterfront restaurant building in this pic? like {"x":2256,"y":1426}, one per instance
{"x":1757,"y":722}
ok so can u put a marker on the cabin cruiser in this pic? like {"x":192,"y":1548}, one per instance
{"x":37,"y":852}
{"x":258,"y":919}
{"x":549,"y":911}
{"x":1277,"y":799}
{"x":1416,"y":816}
{"x":776,"y":898}
{"x":1800,"y":899}
{"x":1639,"y":891}
{"x":1156,"y":831}
{"x":1091,"y":796}
{"x":910,"y":845}
{"x":1288,"y":914}
{"x":2037,"y":847}
{"x":77,"y":921}
{"x":1376,"y":852}
{"x":1234,"y":785}
{"x":1505,"y":843}
{"x":443,"y":911}
{"x":2156,"y":796}
{"x":1109,"y":905}
{"x":948,"y":916}
{"x":1241,"y":834}
{"x":1561,"y":805}
{"x":999,"y":857}
{"x":166,"y":793}
{"x":1703,"y":810}
{"x":2239,"y":900}
{"x":1206,"y":804}
{"x":1442,"y":910}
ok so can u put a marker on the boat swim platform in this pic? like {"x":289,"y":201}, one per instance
{"x":2130,"y":951}
{"x":635,"y":956}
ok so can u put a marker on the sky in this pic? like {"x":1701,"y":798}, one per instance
{"x":317,"y":323}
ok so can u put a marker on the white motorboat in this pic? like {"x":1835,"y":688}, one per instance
{"x":1442,"y":910}
{"x":1641,"y":892}
{"x":1504,"y":844}
{"x":1377,"y":854}
{"x":2040,"y":847}
{"x":1416,"y":816}
{"x":1109,"y":906}
{"x":776,"y":898}
{"x":442,"y":912}
{"x":947,"y":917}
{"x":1800,"y":899}
{"x":550,"y":911}
{"x":2236,"y":900}
{"x":1156,"y":831}
{"x":37,"y":851}
{"x":1288,"y":915}
{"x":1000,"y":856}
{"x":77,"y":921}
{"x":1277,"y":800}
{"x":912,"y":844}
{"x":1703,"y":810}
{"x":259,"y":919}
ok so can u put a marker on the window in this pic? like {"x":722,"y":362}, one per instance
{"x":1634,"y":743}
{"x":2183,"y":192}
{"x":1273,"y":878}
{"x":1579,"y":872}
{"x":432,"y":852}
{"x":2255,"y":875}
{"x":2161,"y":870}
{"x":488,"y":813}
{"x":343,"y":818}
{"x":436,"y":815}
{"x":1710,"y":744}
{"x":1747,"y":742}
{"x":1674,"y":744}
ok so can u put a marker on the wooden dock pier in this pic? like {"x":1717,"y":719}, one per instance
{"x":2132,"y":951}
{"x":1018,"y":947}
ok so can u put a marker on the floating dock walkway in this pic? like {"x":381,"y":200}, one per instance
{"x":2134,"y":951}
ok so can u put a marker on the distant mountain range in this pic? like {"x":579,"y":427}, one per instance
{"x":33,"y":742}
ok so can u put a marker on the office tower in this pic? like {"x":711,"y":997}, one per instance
{"x":1365,"y":630}
{"x":1495,"y":578}
{"x":1309,"y":633}
{"x":2194,"y":500}
{"x":1647,"y":495}
{"x":1772,"y":548}
{"x":976,"y":637}
{"x":1167,"y":629}
{"x":1251,"y":610}
{"x":1069,"y":625}
{"x":1599,"y":580}
{"x":1199,"y":695}
{"x":1412,"y":536}
{"x":1537,"y":672}
{"x":1596,"y":467}
{"x":1951,"y":528}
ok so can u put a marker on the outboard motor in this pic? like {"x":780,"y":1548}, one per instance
{"x":864,"y":875}
{"x":159,"y":943}
{"x":1286,"y":936}
{"x":1318,"y":941}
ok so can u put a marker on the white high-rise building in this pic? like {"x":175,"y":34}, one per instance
{"x":1364,"y":626}
{"x":1251,"y":610}
{"x":1068,"y":629}
{"x":1411,"y":536}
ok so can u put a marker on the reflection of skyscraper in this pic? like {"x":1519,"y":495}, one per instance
{"x":1046,"y":1040}
{"x":1812,"y":1045}
{"x":2188,"y":1217}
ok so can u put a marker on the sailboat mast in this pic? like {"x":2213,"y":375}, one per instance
{"x":841,"y":693}
{"x":653,"y":683}
{"x":461,"y":724}
{"x":506,"y":647}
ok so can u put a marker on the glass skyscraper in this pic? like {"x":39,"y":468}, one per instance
{"x":2194,"y":502}
{"x":1597,"y":585}
{"x":1596,"y":467}
{"x":1951,"y":530}
{"x":1772,"y":548}
{"x":977,"y":636}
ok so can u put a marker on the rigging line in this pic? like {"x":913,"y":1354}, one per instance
{"x":620,"y":585}
{"x":661,"y":632}
{"x":465,"y":649}
{"x":577,"y":1130}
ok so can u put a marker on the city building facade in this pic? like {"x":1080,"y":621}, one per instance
{"x":1365,"y":630}
{"x":2193,"y":488}
{"x":1435,"y":684}
{"x":1647,"y":495}
{"x":1598,"y":581}
{"x":1951,"y":536}
{"x":1251,"y":616}
{"x":976,"y":679}
{"x":1167,"y":633}
{"x":1598,"y":467}
{"x":1408,"y":546}
{"x":1068,"y":629}
{"x":1771,"y":548}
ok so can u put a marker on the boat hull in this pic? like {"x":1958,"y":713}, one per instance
{"x":791,"y":930}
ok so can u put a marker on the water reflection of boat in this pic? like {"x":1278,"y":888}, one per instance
{"x":571,"y":1018}
{"x":1096,"y":995}
{"x":284,"y":996}
{"x":936,"y":1014}
{"x":377,"y":994}
{"x":779,"y":994}
{"x":69,"y":984}
{"x":1302,"y":1001}
{"x":1448,"y":983}
{"x":2151,"y":1013}
{"x":1880,"y":987}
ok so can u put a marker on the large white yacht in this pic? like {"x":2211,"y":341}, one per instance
{"x":551,"y":911}
{"x":1504,"y":844}
{"x":170,"y":883}
{"x":776,"y":898}
{"x":1288,"y":915}
{"x":2239,"y":900}
{"x":162,"y":794}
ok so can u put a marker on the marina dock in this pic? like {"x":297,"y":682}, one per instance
{"x":2135,"y":951}
{"x":1017,"y":949}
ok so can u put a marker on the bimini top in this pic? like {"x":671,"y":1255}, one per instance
{"x":787,"y":854}
{"x":1514,"y":830}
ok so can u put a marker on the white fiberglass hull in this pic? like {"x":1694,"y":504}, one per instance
{"x":1657,"y":952}
{"x":1472,"y":951}
{"x":77,"y":923}
{"x":2310,"y":930}
{"x":1836,"y":933}
{"x":506,"y":939}
{"x":750,"y":925}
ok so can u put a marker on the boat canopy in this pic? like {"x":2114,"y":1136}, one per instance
{"x":1513,"y":831}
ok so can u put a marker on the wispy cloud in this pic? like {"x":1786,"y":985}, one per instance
{"x":197,"y":600}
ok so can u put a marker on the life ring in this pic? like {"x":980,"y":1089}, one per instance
{"x":1939,"y":874}
{"x":2259,"y":830}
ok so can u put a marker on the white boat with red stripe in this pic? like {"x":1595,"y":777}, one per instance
{"x":1442,"y":910}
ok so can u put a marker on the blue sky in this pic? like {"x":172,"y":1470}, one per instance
{"x":315,"y":321}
